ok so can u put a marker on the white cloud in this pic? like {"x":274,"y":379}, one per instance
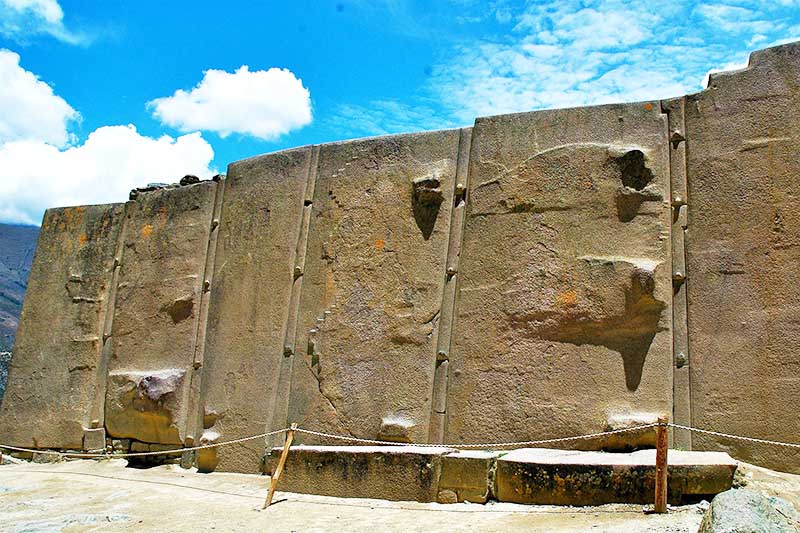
{"x":28,"y":107}
{"x":581,"y":52}
{"x":39,"y":168}
{"x":113,"y":160}
{"x":263,"y":103}
{"x":22,"y":19}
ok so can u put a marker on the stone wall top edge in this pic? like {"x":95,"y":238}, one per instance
{"x":756,"y":59}
{"x":344,"y":142}
{"x":51,"y":210}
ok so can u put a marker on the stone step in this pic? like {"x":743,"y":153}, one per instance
{"x":564,"y":477}
{"x":400,"y":473}
{"x":528,"y":475}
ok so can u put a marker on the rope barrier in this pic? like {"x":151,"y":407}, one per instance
{"x":107,"y":455}
{"x":485,"y":445}
{"x":738,"y":437}
{"x":479,"y":446}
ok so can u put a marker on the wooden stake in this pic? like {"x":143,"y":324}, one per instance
{"x":662,"y":439}
{"x":273,"y":484}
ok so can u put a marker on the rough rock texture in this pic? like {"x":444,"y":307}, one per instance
{"x":372,"y":285}
{"x":258,"y":231}
{"x":145,"y":405}
{"x":385,"y":472}
{"x":156,"y":317}
{"x":468,"y":476}
{"x":743,"y":248}
{"x":542,"y":274}
{"x":746,"y":511}
{"x":558,"y":477}
{"x":54,"y":371}
{"x":564,"y":274}
{"x":531,"y":476}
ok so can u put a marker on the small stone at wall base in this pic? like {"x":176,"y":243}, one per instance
{"x":94,"y":439}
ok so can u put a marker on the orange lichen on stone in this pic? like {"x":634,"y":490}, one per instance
{"x":567,"y":298}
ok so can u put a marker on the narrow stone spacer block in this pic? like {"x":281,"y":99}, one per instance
{"x":562,"y":477}
{"x":399,"y":473}
{"x":94,"y":439}
{"x":469,"y":474}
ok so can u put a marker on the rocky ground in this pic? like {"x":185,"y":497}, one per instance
{"x":106,"y":496}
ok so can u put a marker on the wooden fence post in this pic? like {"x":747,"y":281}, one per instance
{"x":662,"y":443}
{"x":273,"y":484}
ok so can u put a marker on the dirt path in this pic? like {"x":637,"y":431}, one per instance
{"x":107,"y":496}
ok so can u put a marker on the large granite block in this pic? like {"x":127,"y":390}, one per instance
{"x":249,"y":305}
{"x":558,"y":477}
{"x":53,"y":375}
{"x":563,"y":312}
{"x":743,"y":247}
{"x":372,"y":289}
{"x":405,"y":473}
{"x":156,"y":317}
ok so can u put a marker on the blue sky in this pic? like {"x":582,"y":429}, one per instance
{"x":97,"y":97}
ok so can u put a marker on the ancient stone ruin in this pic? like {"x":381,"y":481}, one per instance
{"x":537,"y":275}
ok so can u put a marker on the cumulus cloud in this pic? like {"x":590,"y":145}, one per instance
{"x":22,"y":19}
{"x":40,"y":167}
{"x":264,"y":104}
{"x":28,"y":107}
{"x":112,"y":161}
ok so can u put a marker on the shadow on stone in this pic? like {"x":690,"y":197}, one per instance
{"x":426,"y":200}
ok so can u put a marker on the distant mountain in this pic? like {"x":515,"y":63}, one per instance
{"x":17,"y":244}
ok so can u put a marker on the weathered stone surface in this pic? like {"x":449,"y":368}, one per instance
{"x":53,"y":374}
{"x":94,"y":439}
{"x":385,"y":472}
{"x":146,"y":406}
{"x":208,"y":458}
{"x":259,"y":226}
{"x":559,"y":477}
{"x":156,"y":316}
{"x":746,"y":511}
{"x":645,"y":438}
{"x":373,"y":281}
{"x":743,"y":247}
{"x":563,"y":312}
{"x":469,"y":475}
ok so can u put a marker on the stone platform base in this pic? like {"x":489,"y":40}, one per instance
{"x":528,"y":475}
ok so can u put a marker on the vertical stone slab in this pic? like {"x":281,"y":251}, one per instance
{"x":258,"y":233}
{"x":372,"y":289}
{"x":157,"y":311}
{"x":743,"y":246}
{"x":52,"y":379}
{"x":681,"y":382}
{"x":563,"y":314}
{"x":441,"y":377}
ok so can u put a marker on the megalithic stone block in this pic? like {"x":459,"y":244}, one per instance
{"x":53,"y":374}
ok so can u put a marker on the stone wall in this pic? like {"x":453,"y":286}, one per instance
{"x":537,"y":275}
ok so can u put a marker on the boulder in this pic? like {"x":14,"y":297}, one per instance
{"x":745,"y":511}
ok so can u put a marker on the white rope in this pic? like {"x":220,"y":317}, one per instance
{"x":112,"y":455}
{"x":107,"y":455}
{"x":481,"y":445}
{"x":739,"y":437}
